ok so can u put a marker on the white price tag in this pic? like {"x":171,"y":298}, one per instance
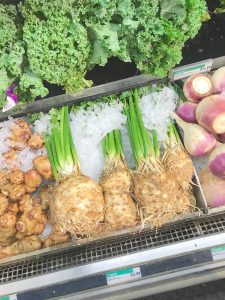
{"x":218,"y":253}
{"x":188,"y":70}
{"x":124,"y":275}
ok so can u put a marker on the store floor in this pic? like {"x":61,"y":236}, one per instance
{"x":209,"y":291}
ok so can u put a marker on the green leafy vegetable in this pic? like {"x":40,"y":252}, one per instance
{"x":169,"y":8}
{"x":221,"y":8}
{"x":57,"y":44}
{"x":58,"y":41}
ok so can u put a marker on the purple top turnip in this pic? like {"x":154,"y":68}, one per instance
{"x":187,"y":112}
{"x":197,"y":87}
{"x":197,"y":141}
{"x":218,"y":80}
{"x":217,"y":160}
{"x":213,"y":188}
{"x":210,"y":114}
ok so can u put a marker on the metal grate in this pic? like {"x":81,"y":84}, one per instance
{"x":211,"y":225}
{"x":109,"y":248}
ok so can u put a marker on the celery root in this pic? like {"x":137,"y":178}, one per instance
{"x":179,"y":166}
{"x":116,"y":181}
{"x":77,"y":204}
{"x":176,"y":160}
{"x":153,"y":190}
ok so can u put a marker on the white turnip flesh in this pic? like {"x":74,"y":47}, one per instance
{"x":197,"y":87}
{"x":210,"y":114}
{"x":197,"y":141}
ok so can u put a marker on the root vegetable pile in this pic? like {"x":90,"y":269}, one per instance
{"x":179,"y":167}
{"x":36,"y":212}
{"x":154,"y":188}
{"x":207,"y":135}
{"x":77,"y":204}
{"x":116,"y":182}
{"x":23,"y":215}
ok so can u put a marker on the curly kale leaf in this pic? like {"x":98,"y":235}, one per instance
{"x":94,"y":12}
{"x":109,"y":29}
{"x":169,"y":9}
{"x":156,"y":46}
{"x":5,"y":81}
{"x":11,"y":48}
{"x":151,"y":33}
{"x":31,"y":86}
{"x":221,"y":8}
{"x":195,"y":11}
{"x":57,"y":44}
{"x":59,"y":40}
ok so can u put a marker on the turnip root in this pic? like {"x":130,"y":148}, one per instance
{"x":197,"y":141}
{"x":116,"y":181}
{"x":218,"y":80}
{"x":197,"y":87}
{"x":187,"y":112}
{"x":217,"y":160}
{"x":210,"y":114}
{"x":213,"y":188}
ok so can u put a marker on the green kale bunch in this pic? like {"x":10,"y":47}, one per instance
{"x":14,"y":66}
{"x":11,"y":49}
{"x":56,"y":42}
{"x":151,"y":33}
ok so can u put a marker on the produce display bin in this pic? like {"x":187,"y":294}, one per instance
{"x":129,"y":264}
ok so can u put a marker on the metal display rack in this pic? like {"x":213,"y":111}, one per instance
{"x":126,"y":266}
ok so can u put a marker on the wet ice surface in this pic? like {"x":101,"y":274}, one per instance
{"x":90,"y":124}
{"x":157,"y":109}
{"x":23,"y":158}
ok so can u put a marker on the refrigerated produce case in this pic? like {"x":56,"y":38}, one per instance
{"x":130,"y":264}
